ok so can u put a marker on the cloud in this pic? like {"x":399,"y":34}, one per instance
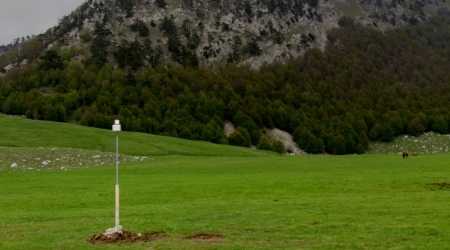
{"x":26,"y":17}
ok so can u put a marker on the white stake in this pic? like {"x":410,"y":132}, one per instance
{"x":117,"y":227}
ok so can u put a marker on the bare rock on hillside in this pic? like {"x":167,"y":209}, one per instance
{"x":287,"y":140}
{"x":229,"y":128}
{"x":250,"y":32}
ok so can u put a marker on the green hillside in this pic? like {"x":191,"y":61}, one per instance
{"x":186,"y":188}
{"x":333,"y":100}
{"x":21,"y":132}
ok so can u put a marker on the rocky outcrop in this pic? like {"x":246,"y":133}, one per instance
{"x":286,"y":139}
{"x":229,"y":129}
{"x":251,"y":32}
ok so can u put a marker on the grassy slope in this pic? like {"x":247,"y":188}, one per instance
{"x":20,"y":132}
{"x":352,"y":202}
{"x":271,"y":202}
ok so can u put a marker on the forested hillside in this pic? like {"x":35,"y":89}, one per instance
{"x":366,"y":85}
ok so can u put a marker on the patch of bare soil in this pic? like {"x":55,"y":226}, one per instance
{"x":125,"y":237}
{"x":205,"y":237}
{"x":439,"y":186}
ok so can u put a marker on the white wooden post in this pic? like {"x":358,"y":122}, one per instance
{"x":117,"y":128}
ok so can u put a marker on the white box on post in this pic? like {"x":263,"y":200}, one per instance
{"x":116,"y":126}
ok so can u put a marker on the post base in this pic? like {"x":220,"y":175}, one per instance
{"x":113,"y":231}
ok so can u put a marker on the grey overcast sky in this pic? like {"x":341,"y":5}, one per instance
{"x":26,"y":17}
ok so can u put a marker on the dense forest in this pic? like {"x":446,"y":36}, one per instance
{"x":367,"y":85}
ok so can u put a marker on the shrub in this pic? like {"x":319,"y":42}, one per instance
{"x":240,"y":137}
{"x":253,"y":48}
{"x":267,"y":143}
{"x":141,"y":28}
{"x":439,"y":125}
{"x":309,"y":142}
{"x":416,"y":126}
{"x":161,"y":3}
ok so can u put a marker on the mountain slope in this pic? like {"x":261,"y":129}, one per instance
{"x":133,"y":33}
{"x":366,"y":84}
{"x":253,"y":31}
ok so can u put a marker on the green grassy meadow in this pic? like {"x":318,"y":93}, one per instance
{"x":256,"y":200}
{"x":20,"y":132}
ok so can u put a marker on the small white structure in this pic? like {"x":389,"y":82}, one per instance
{"x":116,"y":126}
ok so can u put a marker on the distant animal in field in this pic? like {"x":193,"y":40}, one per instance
{"x":405,"y":155}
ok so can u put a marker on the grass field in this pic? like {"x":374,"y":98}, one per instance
{"x":20,"y":132}
{"x":254,"y":200}
{"x":365,"y":202}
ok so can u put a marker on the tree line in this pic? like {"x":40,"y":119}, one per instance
{"x":367,"y":85}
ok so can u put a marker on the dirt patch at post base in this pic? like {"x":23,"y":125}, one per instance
{"x":205,"y":237}
{"x":126,"y":237}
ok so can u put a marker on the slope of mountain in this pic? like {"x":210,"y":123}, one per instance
{"x":366,"y":84}
{"x":148,"y":32}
